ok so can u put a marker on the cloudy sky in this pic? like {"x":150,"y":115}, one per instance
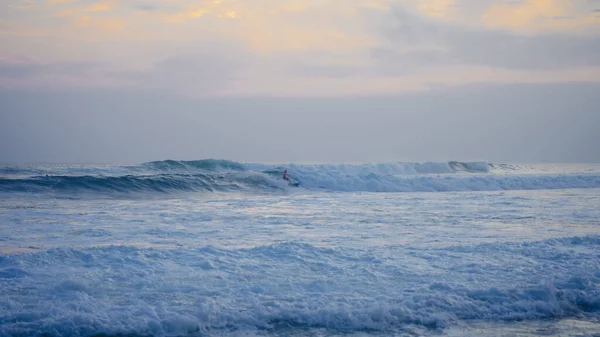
{"x":299,"y":80}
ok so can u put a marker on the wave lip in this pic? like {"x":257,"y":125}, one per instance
{"x":211,"y":165}
{"x":451,"y":167}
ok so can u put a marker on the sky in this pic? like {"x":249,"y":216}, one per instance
{"x":299,"y":81}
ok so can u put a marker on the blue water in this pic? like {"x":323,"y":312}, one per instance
{"x":212,"y":248}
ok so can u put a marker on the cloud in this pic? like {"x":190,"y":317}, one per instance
{"x":22,"y":72}
{"x":207,"y":71}
{"x":101,"y":6}
{"x":292,"y":46}
{"x":147,"y":8}
{"x":415,"y":43}
{"x":532,"y":15}
{"x":451,"y":44}
{"x":191,"y":13}
{"x":437,"y":8}
{"x":60,"y":2}
{"x":524,"y":14}
{"x":214,"y":8}
{"x":23,"y":5}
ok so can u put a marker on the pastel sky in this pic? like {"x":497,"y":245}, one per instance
{"x":296,"y":47}
{"x":299,"y":80}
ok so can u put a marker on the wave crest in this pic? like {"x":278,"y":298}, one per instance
{"x":191,"y":165}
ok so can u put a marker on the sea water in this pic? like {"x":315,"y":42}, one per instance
{"x":213,"y":248}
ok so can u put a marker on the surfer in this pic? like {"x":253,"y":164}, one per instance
{"x":285,"y":176}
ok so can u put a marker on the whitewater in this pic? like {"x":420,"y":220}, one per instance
{"x":221,"y":248}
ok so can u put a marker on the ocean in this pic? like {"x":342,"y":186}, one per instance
{"x":221,"y":248}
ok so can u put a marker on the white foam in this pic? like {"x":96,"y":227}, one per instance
{"x":290,"y":264}
{"x":123,"y":290}
{"x":427,"y":177}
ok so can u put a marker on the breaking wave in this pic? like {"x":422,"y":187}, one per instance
{"x":213,"y":175}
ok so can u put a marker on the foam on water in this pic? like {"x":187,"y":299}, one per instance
{"x":120,"y":289}
{"x":298,"y":264}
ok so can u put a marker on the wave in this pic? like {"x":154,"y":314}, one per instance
{"x":144,"y":183}
{"x":291,"y":287}
{"x":218,"y":165}
{"x":213,"y":175}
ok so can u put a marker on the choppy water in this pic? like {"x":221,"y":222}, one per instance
{"x":268,"y":259}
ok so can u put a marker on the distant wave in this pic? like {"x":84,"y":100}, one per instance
{"x":213,"y":175}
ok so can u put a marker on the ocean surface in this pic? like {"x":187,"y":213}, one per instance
{"x":220,"y":248}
